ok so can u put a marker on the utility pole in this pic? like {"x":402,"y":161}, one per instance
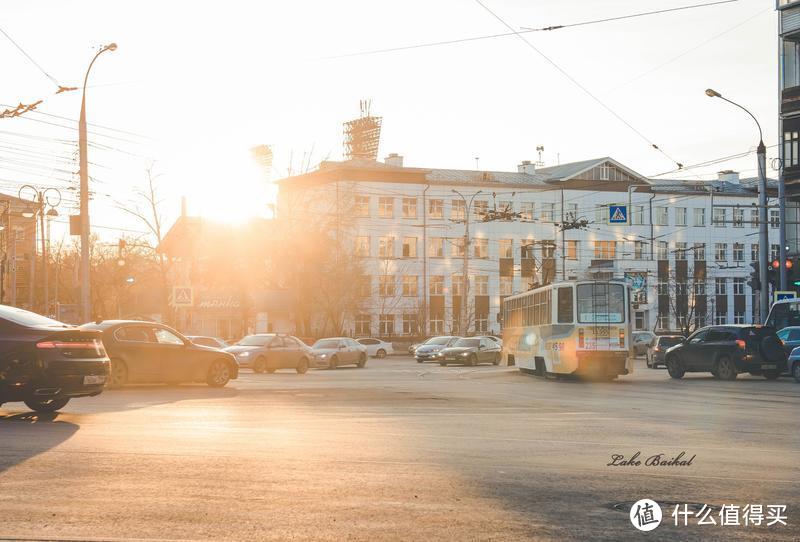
{"x":463,"y":323}
{"x":86,"y":304}
{"x":425,"y":261}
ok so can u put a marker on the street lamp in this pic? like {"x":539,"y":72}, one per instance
{"x":49,"y":197}
{"x":463,"y":323}
{"x":763,"y":233}
{"x":84,"y":192}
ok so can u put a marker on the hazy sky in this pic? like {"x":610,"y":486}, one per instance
{"x":205,"y":81}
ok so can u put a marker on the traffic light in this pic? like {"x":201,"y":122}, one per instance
{"x":774,"y":273}
{"x":755,"y":279}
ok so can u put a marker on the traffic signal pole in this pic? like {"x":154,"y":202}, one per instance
{"x":763,"y":233}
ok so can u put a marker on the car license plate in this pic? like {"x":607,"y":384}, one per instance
{"x":769,"y":366}
{"x":93,"y":379}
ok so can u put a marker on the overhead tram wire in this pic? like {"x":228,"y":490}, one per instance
{"x":710,"y":162}
{"x":515,"y":33}
{"x":579,"y":85}
{"x":29,"y":57}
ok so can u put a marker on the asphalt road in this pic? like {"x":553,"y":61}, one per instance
{"x":400,"y":451}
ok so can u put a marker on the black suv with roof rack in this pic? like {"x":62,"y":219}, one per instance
{"x":725,"y":351}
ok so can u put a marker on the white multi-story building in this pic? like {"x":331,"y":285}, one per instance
{"x":687,"y":249}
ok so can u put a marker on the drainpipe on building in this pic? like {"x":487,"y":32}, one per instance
{"x":425,"y":261}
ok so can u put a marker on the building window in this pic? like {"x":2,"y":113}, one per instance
{"x":481,"y":247}
{"x":506,"y":248}
{"x":754,"y":218}
{"x":436,"y":208}
{"x":363,"y":325}
{"x":738,"y":286}
{"x":364,"y":286}
{"x":409,"y":207}
{"x":699,"y":217}
{"x":738,"y":218}
{"x":456,"y":282}
{"x":738,"y":252}
{"x":738,"y":317}
{"x":480,"y":209}
{"x":754,"y":252}
{"x":458,"y":247}
{"x":386,"y":325}
{"x":774,"y":218}
{"x":548,"y":249}
{"x":601,"y":214}
{"x":662,"y":323}
{"x":681,"y":288}
{"x":362,"y":246}
{"x":721,"y":286}
{"x":482,"y":285}
{"x":410,"y":324}
{"x":699,"y":287}
{"x":526,"y":211}
{"x":662,"y":216}
{"x":572,"y":211}
{"x":791,"y":157}
{"x":437,"y":325}
{"x":386,"y":247}
{"x":680,"y":250}
{"x":662,"y":288}
{"x":720,"y":319}
{"x":699,"y":252}
{"x":774,"y":252}
{"x":639,"y":250}
{"x":386,"y":207}
{"x":457,"y":210}
{"x":481,"y":323}
{"x":663,"y":250}
{"x":526,"y":249}
{"x":386,"y":285}
{"x":436,"y":284}
{"x":718,"y":217}
{"x":361,"y":206}
{"x":436,"y":247}
{"x":548,"y":212}
{"x":572,"y":250}
{"x":605,"y":250}
{"x":409,"y":247}
{"x":506,"y":285}
{"x":680,"y":216}
{"x":410,"y":285}
{"x":640,"y":320}
{"x":720,"y":252}
{"x":506,"y":207}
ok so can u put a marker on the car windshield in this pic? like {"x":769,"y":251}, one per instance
{"x":468,"y":343}
{"x":27,"y":318}
{"x":438,"y":340}
{"x":669,"y":341}
{"x":254,"y":340}
{"x":326,"y":343}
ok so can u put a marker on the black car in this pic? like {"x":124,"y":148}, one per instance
{"x":726,"y":351}
{"x":45,"y":363}
{"x":149,"y":352}
{"x":658,"y":349}
{"x":471,"y":351}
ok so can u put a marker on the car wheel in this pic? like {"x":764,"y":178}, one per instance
{"x":496,"y":360}
{"x":380,"y":354}
{"x":46,"y":405}
{"x":647,"y":362}
{"x":271,"y":370}
{"x":302,"y":366}
{"x":726,"y":370}
{"x":442,"y":363}
{"x":333,"y":362}
{"x":219,"y":374}
{"x":419,"y":360}
{"x":674,"y":368}
{"x":118,"y":374}
{"x":362,"y":360}
{"x":796,"y":372}
{"x":259,"y":365}
{"x":473,"y":360}
{"x":771,"y":375}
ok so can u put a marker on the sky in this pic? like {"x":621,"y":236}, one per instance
{"x":194,"y":85}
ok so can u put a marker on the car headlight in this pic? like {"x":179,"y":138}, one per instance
{"x":465,"y":354}
{"x":244,"y":354}
{"x":322,"y":356}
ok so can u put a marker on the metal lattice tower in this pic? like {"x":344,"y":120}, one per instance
{"x":362,"y":135}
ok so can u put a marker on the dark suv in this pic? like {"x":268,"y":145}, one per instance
{"x":726,"y":351}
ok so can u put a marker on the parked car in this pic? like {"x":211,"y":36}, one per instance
{"x":431,"y":349}
{"x":794,"y":364}
{"x":212,"y":342}
{"x":149,"y":352}
{"x":642,"y":340}
{"x":270,"y":352}
{"x":471,"y":351}
{"x":658,"y":348}
{"x":495,"y":338}
{"x":726,"y":351}
{"x":790,"y":337}
{"x":45,"y":363}
{"x":376,"y":348}
{"x":337,"y":351}
{"x":413,"y":348}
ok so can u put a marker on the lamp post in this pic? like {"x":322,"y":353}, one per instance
{"x":462,"y":320}
{"x":42,"y":199}
{"x":86,"y":305}
{"x":763,"y":232}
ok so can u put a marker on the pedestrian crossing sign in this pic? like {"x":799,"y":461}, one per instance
{"x":617,"y":214}
{"x":182,"y":296}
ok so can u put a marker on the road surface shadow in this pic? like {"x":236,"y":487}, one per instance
{"x":28,"y":434}
{"x":138,"y":396}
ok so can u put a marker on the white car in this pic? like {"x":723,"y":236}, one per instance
{"x":376,"y":347}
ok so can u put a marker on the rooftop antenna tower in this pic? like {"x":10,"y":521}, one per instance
{"x":362,"y":135}
{"x":540,"y":150}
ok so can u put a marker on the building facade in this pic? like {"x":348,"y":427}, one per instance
{"x":686,"y":248}
{"x":789,"y":84}
{"x":18,"y":253}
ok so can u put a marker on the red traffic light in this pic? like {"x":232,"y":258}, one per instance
{"x":789,"y":264}
{"x":776,"y":264}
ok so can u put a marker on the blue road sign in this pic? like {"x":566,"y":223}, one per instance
{"x":617,"y":214}
{"x":780,"y":296}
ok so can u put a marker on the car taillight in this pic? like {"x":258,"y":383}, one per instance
{"x":656,"y":349}
{"x":621,"y":337}
{"x":580,"y":338}
{"x":741,"y":344}
{"x":65,"y":345}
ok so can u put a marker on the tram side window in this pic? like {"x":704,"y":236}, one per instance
{"x":565,"y":305}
